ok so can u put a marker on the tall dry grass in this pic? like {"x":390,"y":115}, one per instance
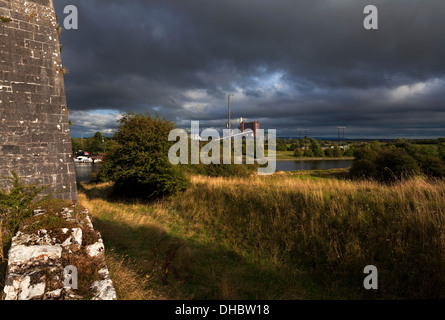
{"x":334,"y":228}
{"x":129,"y":278}
{"x":325,"y":229}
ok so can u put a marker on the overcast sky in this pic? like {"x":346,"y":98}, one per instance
{"x":291,"y":64}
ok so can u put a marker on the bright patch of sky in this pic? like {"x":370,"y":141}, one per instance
{"x":87,"y":123}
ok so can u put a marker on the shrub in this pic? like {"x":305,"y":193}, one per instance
{"x":139,"y":163}
{"x":349,"y":152}
{"x":329,"y":152}
{"x":17,"y":204}
{"x":365,"y":152}
{"x":432,"y":166}
{"x":104,"y":174}
{"x":394,"y":163}
{"x":308,"y":153}
{"x":316,"y":149}
{"x":281,"y":147}
{"x":385,"y":164}
{"x":298,"y":153}
{"x":337,"y":151}
{"x":363,"y":168}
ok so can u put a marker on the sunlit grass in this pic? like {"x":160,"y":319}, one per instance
{"x":280,"y":237}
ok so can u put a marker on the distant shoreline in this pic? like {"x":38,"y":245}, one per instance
{"x":316,"y":159}
{"x":278,"y":160}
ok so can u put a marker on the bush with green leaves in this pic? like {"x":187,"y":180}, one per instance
{"x":384,"y":163}
{"x":298,"y":153}
{"x":316,"y":149}
{"x":337,"y":151}
{"x":281,"y":147}
{"x":328,"y":152}
{"x":308,"y":153}
{"x":395,"y":164}
{"x":17,"y":203}
{"x":139,"y":163}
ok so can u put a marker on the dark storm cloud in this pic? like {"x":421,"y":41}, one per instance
{"x":290,"y":63}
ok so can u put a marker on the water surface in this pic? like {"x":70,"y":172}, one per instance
{"x":291,"y":165}
{"x":85,"y":170}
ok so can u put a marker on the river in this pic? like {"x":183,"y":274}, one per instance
{"x":85,"y":170}
{"x":292,"y":165}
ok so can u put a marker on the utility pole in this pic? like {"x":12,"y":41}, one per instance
{"x":103,"y":137}
{"x":341,"y":130}
{"x":228,"y":97}
{"x":228,"y":124}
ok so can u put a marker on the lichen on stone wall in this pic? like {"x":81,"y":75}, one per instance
{"x":47,"y":243}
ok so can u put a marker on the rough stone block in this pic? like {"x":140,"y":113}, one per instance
{"x":33,"y":112}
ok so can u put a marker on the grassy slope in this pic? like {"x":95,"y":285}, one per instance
{"x":280,"y":237}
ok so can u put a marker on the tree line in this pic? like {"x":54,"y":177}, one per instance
{"x":97,"y":144}
{"x":310,"y":147}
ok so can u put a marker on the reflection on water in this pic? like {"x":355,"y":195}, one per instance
{"x":313,"y":165}
{"x":85,"y":170}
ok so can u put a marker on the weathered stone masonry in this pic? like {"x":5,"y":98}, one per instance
{"x":35,"y":142}
{"x":37,"y":259}
{"x":35,"y":139}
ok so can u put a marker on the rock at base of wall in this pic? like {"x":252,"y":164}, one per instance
{"x":39,"y":258}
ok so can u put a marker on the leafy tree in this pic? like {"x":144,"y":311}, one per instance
{"x":432,"y":166}
{"x":281,"y":147}
{"x":364,"y":162}
{"x":329,"y":152}
{"x":383,"y":163}
{"x":316,"y":149}
{"x":75,"y":145}
{"x":363,"y":168}
{"x":298,"y":153}
{"x":349,"y":152}
{"x":365,"y":153}
{"x":337,"y":151}
{"x":395,"y":163}
{"x":308,"y":153}
{"x":139,"y":163}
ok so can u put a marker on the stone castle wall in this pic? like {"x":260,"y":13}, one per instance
{"x":35,"y":139}
{"x":37,"y":260}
